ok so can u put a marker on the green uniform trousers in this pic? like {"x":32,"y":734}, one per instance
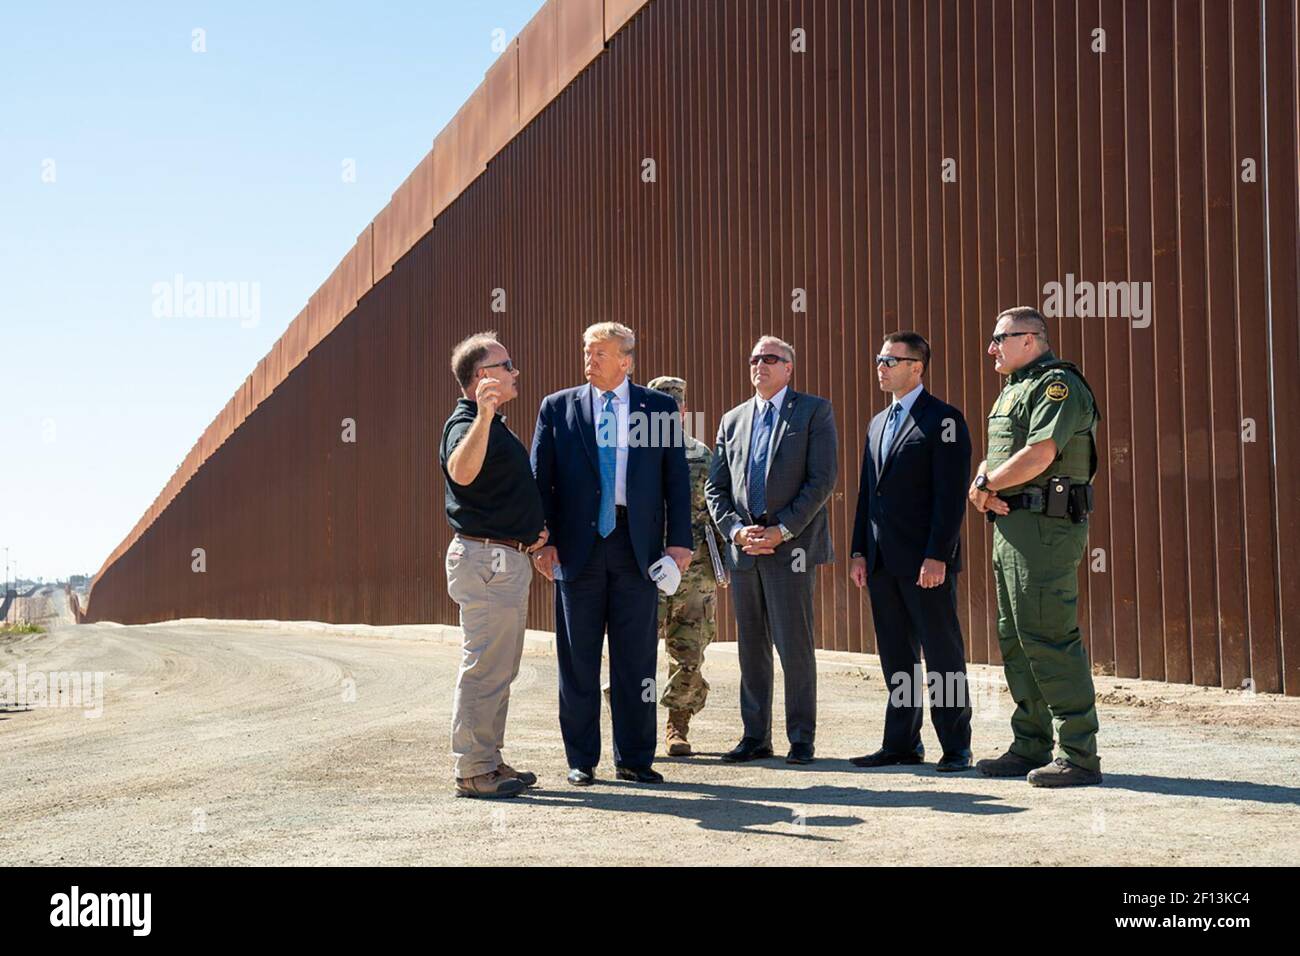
{"x":1036,"y":566}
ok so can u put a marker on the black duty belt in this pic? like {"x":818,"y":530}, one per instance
{"x":1062,"y":499}
{"x":1025,"y":501}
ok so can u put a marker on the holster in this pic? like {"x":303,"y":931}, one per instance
{"x":1080,"y":502}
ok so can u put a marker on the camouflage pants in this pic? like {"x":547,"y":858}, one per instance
{"x":687,"y":625}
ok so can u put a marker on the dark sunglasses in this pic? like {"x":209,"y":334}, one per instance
{"x":889,"y":361}
{"x":1001,"y":337}
{"x":508,"y":365}
{"x":767,"y":359}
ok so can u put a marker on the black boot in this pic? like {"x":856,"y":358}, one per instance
{"x":1008,"y":765}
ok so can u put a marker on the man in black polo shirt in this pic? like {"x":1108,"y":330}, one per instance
{"x":496,"y":511}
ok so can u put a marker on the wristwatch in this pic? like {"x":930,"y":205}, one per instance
{"x":982,"y":483}
{"x":785,"y":533}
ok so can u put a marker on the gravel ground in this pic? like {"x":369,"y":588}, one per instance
{"x":238,"y":742}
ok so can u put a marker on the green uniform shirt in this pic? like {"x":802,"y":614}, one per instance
{"x":1038,"y":402}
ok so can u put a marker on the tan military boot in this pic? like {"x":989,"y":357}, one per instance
{"x":491,"y":785}
{"x":1061,"y":773}
{"x":526,"y":777}
{"x":675,"y":737}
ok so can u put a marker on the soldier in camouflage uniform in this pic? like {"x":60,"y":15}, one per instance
{"x":688,"y":619}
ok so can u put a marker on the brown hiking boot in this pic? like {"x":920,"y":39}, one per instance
{"x":1061,"y":773}
{"x":489,"y":786}
{"x":1008,"y":765}
{"x":679,"y":722}
{"x":526,"y":777}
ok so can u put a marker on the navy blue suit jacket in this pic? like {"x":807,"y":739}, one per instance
{"x":911,"y":505}
{"x":567,"y":468}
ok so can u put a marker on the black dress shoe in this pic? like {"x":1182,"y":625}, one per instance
{"x":889,"y":758}
{"x":582,"y":776}
{"x":749,"y":748}
{"x":639,"y":774}
{"x":800,"y":753}
{"x":954,"y":762}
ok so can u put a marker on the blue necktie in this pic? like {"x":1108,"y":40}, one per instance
{"x":607,"y":447}
{"x":758,"y":464}
{"x":891,"y":425}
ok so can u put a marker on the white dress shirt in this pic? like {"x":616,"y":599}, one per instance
{"x":622,"y":401}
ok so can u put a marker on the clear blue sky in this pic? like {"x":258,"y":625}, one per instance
{"x":222,"y":166}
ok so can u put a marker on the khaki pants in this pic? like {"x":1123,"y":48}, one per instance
{"x":490,"y":583}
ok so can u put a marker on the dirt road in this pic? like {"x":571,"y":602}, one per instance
{"x":225,"y":743}
{"x":47,"y":606}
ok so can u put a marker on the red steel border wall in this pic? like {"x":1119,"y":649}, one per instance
{"x":821,"y":170}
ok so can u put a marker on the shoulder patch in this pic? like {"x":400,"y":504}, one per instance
{"x":1058,"y":391}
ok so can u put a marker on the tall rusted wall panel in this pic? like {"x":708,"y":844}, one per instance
{"x":1169,"y":157}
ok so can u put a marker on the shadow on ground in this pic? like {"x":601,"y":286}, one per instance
{"x":744,"y":809}
{"x":1192,"y":787}
{"x":1138,"y":783}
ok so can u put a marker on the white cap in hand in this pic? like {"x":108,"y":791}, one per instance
{"x":666,"y":574}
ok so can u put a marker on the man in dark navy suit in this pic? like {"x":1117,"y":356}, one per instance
{"x":610,"y":462}
{"x":907,"y":551}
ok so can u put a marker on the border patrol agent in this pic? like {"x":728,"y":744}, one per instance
{"x":1037,"y":487}
{"x":688,"y":619}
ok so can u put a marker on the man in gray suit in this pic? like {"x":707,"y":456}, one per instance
{"x":773,"y":470}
